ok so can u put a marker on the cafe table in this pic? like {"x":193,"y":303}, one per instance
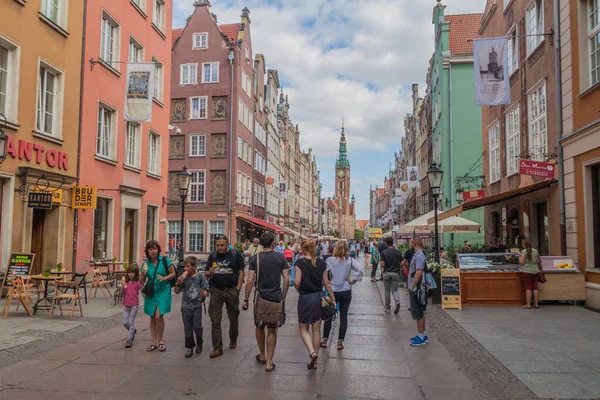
{"x":47,"y":304}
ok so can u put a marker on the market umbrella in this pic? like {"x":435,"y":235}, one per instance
{"x":457,"y":224}
{"x":419,"y":225}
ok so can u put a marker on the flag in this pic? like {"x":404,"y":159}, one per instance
{"x":490,"y":67}
{"x":139,"y":90}
{"x":413,"y":177}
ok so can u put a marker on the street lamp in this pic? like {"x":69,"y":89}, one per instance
{"x":183,"y":182}
{"x":459,"y":196}
{"x":435,"y":175}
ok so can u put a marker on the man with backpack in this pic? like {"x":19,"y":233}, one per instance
{"x":416,"y":279}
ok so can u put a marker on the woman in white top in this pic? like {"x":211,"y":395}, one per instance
{"x":341,"y":266}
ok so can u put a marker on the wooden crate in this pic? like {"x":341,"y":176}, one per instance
{"x":563,"y":286}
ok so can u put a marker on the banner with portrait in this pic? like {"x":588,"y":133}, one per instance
{"x":283,"y":190}
{"x":413,"y":177}
{"x":490,"y":67}
{"x":139,"y":90}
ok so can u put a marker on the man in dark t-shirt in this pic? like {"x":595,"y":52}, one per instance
{"x":226,"y":274}
{"x":268,"y":267}
{"x":391,"y":264}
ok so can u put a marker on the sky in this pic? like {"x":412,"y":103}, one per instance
{"x":351,"y":59}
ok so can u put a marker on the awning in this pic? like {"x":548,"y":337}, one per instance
{"x":419,"y":225}
{"x":458,"y":225}
{"x":387,"y":234}
{"x":262,"y":223}
{"x":291,"y":232}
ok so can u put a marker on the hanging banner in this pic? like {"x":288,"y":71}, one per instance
{"x":492,"y":83}
{"x":139,"y":90}
{"x":399,"y":200}
{"x":316,"y":211}
{"x":271,"y":181}
{"x":291,"y":196}
{"x":536,"y":168}
{"x":403,"y":190}
{"x":283,"y":192}
{"x":413,"y":177}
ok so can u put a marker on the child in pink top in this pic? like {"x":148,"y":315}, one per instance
{"x":131,"y":301}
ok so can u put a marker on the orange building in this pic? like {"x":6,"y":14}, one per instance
{"x":40,"y":77}
{"x":580,"y":80}
{"x":124,"y":161}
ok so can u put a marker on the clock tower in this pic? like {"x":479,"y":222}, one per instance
{"x":342,"y":190}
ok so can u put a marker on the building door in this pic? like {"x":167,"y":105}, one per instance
{"x":37,"y":239}
{"x":129,"y":236}
{"x":541,"y":228}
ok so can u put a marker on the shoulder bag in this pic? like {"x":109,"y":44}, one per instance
{"x":542,"y":276}
{"x":148,"y":289}
{"x":266,"y":313}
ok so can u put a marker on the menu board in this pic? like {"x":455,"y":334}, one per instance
{"x":20,"y":264}
{"x":451,"y":288}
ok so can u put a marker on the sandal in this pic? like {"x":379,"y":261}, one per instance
{"x":536,"y":306}
{"x":324,"y":343}
{"x":313,"y":361}
{"x":151,"y":348}
{"x":527,"y":307}
{"x":162,"y":347}
{"x":259,"y":360}
{"x":340,"y":345}
{"x":270,"y":369}
{"x":128,"y":344}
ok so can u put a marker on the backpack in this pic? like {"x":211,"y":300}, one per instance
{"x":173,"y":281}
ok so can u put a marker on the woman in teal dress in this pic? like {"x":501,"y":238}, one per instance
{"x":159,"y":304}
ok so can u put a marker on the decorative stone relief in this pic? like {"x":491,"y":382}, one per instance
{"x":219,"y":111}
{"x":173,"y":186}
{"x":217,"y":187}
{"x":177,"y":147}
{"x":218,"y":145}
{"x":178,"y":110}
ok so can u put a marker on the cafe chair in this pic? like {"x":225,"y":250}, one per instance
{"x":17,"y":291}
{"x":34,"y":290}
{"x":61,"y":292}
{"x":99,"y":281}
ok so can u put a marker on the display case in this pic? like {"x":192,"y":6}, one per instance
{"x":564,"y":281}
{"x":490,"y":279}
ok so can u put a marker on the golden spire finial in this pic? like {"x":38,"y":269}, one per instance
{"x":342,"y":123}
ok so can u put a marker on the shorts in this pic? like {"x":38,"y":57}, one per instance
{"x":531,"y":280}
{"x":417,"y":310}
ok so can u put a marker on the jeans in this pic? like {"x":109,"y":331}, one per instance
{"x":344,"y":298}
{"x":231,"y":298}
{"x":391,"y":281}
{"x":192,"y":323}
{"x":374,"y":269}
{"x":353,"y":255}
{"x":129,"y":314}
{"x":171,"y":252}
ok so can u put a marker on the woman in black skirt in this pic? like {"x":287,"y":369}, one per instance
{"x":311,"y":276}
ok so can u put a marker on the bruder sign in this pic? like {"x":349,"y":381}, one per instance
{"x":33,"y":151}
{"x":84,"y":197}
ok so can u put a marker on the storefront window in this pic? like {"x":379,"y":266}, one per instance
{"x":150,"y":223}
{"x":101,"y":228}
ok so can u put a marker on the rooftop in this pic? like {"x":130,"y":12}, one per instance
{"x":463,"y":29}
{"x":231,"y":30}
{"x":176,"y":34}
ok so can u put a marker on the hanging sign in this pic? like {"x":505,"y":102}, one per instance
{"x":451,"y":288}
{"x":490,"y":67}
{"x":283,"y":192}
{"x":413,"y":177}
{"x":84,"y":197}
{"x":41,"y":200}
{"x":473,"y":195}
{"x":139,"y":90}
{"x":536,"y":168}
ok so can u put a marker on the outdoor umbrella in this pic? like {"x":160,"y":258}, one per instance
{"x":457,"y":224}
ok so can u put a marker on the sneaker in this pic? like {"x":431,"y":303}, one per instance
{"x":397,"y":309}
{"x":189,"y":353}
{"x":425,"y":338}
{"x":417,"y":341}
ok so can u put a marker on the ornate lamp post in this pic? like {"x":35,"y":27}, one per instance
{"x":183,"y":182}
{"x":435,"y":175}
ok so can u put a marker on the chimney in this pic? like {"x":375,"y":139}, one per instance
{"x":246,"y":15}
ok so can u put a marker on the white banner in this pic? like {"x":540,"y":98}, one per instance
{"x":403,"y":190}
{"x":283,"y":192}
{"x":139,"y":90}
{"x":490,"y":67}
{"x":271,"y":183}
{"x":413,"y":177}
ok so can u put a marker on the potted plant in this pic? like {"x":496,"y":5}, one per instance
{"x":47,"y":271}
{"x":59,"y":267}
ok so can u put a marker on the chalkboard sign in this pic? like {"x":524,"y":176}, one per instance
{"x":451,"y":288}
{"x":20,"y":264}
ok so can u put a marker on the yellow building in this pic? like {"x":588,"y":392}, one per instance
{"x":40,"y":75}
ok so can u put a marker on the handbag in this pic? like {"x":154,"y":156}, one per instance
{"x":148,"y":289}
{"x":328,"y":310}
{"x":266,"y":313}
{"x":541,"y":276}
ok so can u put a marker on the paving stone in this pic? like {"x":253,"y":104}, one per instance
{"x":369,"y":368}
{"x":557,"y":386}
{"x":436,"y":393}
{"x":18,"y":394}
{"x":374,"y":387}
{"x":25,"y":370}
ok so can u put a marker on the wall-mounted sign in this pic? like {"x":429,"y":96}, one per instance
{"x":40,"y":200}
{"x":84,"y":197}
{"x":57,"y":196}
{"x":24,"y":150}
{"x":375,"y":233}
{"x":536,"y":168}
{"x":473,"y":195}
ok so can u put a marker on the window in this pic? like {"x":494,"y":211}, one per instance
{"x":109,"y":40}
{"x":158,"y":19}
{"x":534,"y":22}
{"x":247,"y":53}
{"x":248,"y":191}
{"x":238,"y":192}
{"x":241,"y":110}
{"x":494,"y":137}
{"x":594,"y":40}
{"x":106,"y":128}
{"x":513,"y":141}
{"x":132,"y":145}
{"x":197,"y":145}
{"x":101,"y":228}
{"x":197,"y":186}
{"x":244,"y":81}
{"x":513,"y":50}
{"x":200,"y":41}
{"x":249,"y":86}
{"x":215,"y":228}
{"x":195,"y":243}
{"x":136,"y":51}
{"x":55,"y":11}
{"x":538,"y":133}
{"x":49,"y":107}
{"x":240,"y":147}
{"x":154,"y":153}
{"x":3,"y":78}
{"x":151,"y":213}
{"x":260,"y":134}
{"x":259,"y":163}
{"x":210,"y":72}
{"x":158,"y":79}
{"x":9,"y":77}
{"x":198,"y":108}
{"x":174,"y":232}
{"x":188,"y":74}
{"x":141,"y":4}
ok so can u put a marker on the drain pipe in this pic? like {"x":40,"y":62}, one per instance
{"x":559,"y":127}
{"x":231,"y":58}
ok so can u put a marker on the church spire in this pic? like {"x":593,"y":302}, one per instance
{"x":342,"y":160}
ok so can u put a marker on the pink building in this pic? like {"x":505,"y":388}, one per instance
{"x":123,"y":160}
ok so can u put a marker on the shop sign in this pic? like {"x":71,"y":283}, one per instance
{"x":40,"y":200}
{"x":375,"y":233}
{"x":473,"y":195}
{"x":57,"y":196}
{"x":24,"y":150}
{"x":84,"y":197}
{"x":19,"y":265}
{"x":451,"y":288}
{"x":536,"y":168}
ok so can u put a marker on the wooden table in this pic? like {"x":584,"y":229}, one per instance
{"x":47,"y":303}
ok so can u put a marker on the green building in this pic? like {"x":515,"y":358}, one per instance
{"x":455,"y":119}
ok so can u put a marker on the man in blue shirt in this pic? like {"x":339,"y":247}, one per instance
{"x":416,"y":275}
{"x":352,"y":247}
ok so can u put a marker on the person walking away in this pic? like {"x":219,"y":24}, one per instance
{"x":226,"y":276}
{"x":193,"y":285}
{"x":325,"y":249}
{"x":131,"y":301}
{"x":272,"y":267}
{"x":352,"y":247}
{"x":311,"y":276}
{"x":157,"y":271}
{"x":531,"y":261}
{"x":391,"y":264}
{"x":341,"y":267}
{"x":416,"y":276}
{"x":280,"y":247}
{"x":172,"y":247}
{"x":375,"y":258}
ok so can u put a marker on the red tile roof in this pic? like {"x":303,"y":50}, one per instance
{"x":176,"y":34}
{"x":380,"y":192}
{"x":231,"y":30}
{"x":463,"y":27}
{"x":362,"y":223}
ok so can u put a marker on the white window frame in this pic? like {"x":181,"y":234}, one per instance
{"x":248,"y":191}
{"x":249,"y":86}
{"x":534,"y":25}
{"x":112,"y":133}
{"x":175,"y":233}
{"x":261,"y":103}
{"x":238,"y":194}
{"x":213,"y":231}
{"x":593,"y":39}
{"x":513,"y":49}
{"x":132,"y":144}
{"x":141,"y":4}
{"x":199,"y":242}
{"x":494,"y":154}
{"x":56,"y":11}
{"x":513,"y":139}
{"x":159,"y":15}
{"x":240,"y":145}
{"x":159,"y":79}
{"x":135,"y":50}
{"x":57,"y":99}
{"x":154,"y":152}
{"x":109,"y":52}
{"x":202,"y":37}
{"x":240,"y":110}
{"x":199,"y":141}
{"x":191,"y":76}
{"x":244,"y":81}
{"x":199,"y":196}
{"x":537,"y":120}
{"x":200,"y":102}
{"x":12,"y":71}
{"x":214,"y":72}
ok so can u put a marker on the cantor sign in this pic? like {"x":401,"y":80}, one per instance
{"x":84,"y":197}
